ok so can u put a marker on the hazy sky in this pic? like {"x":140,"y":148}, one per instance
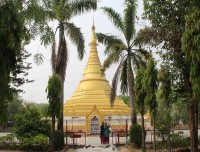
{"x":35,"y":91}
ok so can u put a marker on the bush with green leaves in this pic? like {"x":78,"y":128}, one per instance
{"x":179,"y":141}
{"x":136,"y":135}
{"x":162,"y":126}
{"x":7,"y":142}
{"x":6,"y":139}
{"x":29,"y":123}
{"x":58,"y":141}
{"x":37,"y":143}
{"x":176,"y":141}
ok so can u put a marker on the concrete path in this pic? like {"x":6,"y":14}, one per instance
{"x":107,"y":148}
{"x":93,"y":144}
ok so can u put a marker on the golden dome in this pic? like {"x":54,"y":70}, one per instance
{"x":94,"y":90}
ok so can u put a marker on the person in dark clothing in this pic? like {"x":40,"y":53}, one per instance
{"x":107,"y":133}
{"x":102,"y":133}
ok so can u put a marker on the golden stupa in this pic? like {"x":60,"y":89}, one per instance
{"x":91,"y":100}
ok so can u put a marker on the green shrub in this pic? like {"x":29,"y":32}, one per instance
{"x":59,"y":140}
{"x":8,"y":138}
{"x":136,"y":135}
{"x":179,"y":141}
{"x":37,"y":143}
{"x":7,"y":142}
{"x":29,"y":123}
{"x":176,"y":141}
{"x":9,"y":146}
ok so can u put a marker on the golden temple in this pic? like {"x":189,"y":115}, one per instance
{"x":90,"y":103}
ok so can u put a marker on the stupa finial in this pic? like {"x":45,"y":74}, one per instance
{"x":93,"y":38}
{"x":93,"y":27}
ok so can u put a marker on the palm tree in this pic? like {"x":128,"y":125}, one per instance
{"x":123,"y":51}
{"x":53,"y":94}
{"x":62,"y":11}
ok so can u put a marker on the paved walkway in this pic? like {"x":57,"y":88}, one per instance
{"x":98,"y":149}
{"x":93,"y":144}
{"x":94,"y":140}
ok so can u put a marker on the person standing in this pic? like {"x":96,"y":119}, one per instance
{"x":107,"y":133}
{"x":102,"y":133}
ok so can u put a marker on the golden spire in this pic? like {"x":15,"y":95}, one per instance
{"x":93,"y":89}
{"x":93,"y":37}
{"x":93,"y":68}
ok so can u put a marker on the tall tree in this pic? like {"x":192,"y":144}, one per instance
{"x":140,"y":94}
{"x":191,"y":47}
{"x":122,"y":51}
{"x":165,"y":88}
{"x":13,"y":33}
{"x":145,"y":91}
{"x":53,"y":95}
{"x":168,"y":23}
{"x":62,"y":11}
{"x":150,"y":86}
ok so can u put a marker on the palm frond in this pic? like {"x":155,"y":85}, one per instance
{"x":135,"y":61}
{"x":61,"y":10}
{"x":143,"y":53}
{"x":114,"y":85}
{"x":112,"y":58}
{"x":109,"y":49}
{"x":55,"y":9}
{"x":110,"y":41}
{"x":123,"y":77}
{"x":115,"y":82}
{"x":50,"y":8}
{"x":129,"y":20}
{"x":76,"y":37}
{"x":80,"y":6}
{"x":115,"y":18}
{"x":132,"y":2}
{"x":66,"y":10}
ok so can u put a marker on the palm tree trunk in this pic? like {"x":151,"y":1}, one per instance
{"x":52,"y":132}
{"x":169,"y":141}
{"x":131,"y":93}
{"x":60,"y":69}
{"x":143,"y":132}
{"x":197,"y":118}
{"x":168,"y":113}
{"x":193,"y":133}
{"x":60,"y":122}
{"x":154,"y":133}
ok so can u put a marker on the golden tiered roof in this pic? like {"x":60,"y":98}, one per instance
{"x":93,"y":91}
